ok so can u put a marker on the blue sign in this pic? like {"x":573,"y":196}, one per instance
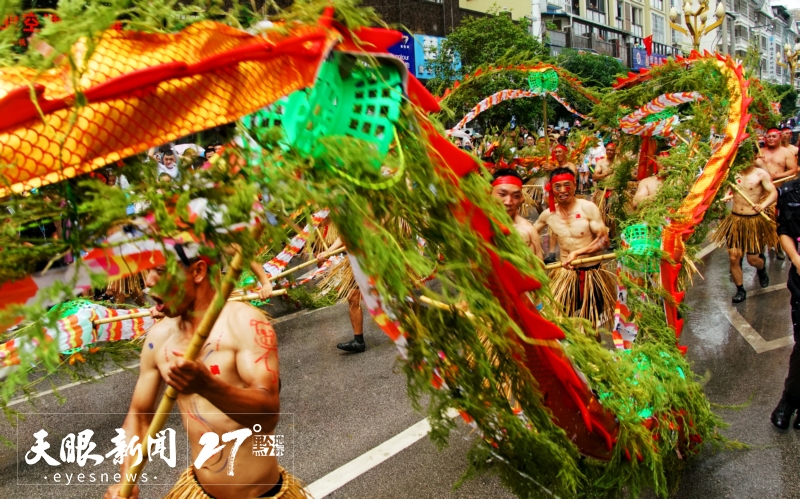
{"x":426,"y":48}
{"x":404,"y":50}
{"x":642,"y":60}
{"x":639,"y":59}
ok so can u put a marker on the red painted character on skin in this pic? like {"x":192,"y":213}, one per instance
{"x":265,"y":337}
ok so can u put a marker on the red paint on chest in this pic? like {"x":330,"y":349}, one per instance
{"x":577,"y":215}
{"x":215,"y":369}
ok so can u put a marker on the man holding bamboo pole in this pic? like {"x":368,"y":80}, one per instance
{"x":587,"y":290}
{"x":231,"y":392}
{"x":747,"y":229}
{"x":780,"y":162}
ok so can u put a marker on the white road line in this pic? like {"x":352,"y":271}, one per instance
{"x":36,"y":395}
{"x":70,"y":385}
{"x":759,"y":344}
{"x":337,"y":478}
{"x":708,"y":249}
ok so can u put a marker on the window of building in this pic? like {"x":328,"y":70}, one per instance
{"x":677,"y":37}
{"x":657,"y":4}
{"x":637,"y":21}
{"x":596,"y":11}
{"x":658,"y":28}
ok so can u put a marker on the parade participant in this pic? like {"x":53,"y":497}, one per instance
{"x":560,"y":153}
{"x":586,"y":291}
{"x":647,"y":189}
{"x":789,"y":232}
{"x":778,"y":160}
{"x":602,"y":170}
{"x":235,"y":385}
{"x":356,"y":345}
{"x":507,"y":186}
{"x":745,"y":231}
{"x":786,"y":140}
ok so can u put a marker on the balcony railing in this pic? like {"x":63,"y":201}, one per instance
{"x":557,"y":38}
{"x":596,"y":16}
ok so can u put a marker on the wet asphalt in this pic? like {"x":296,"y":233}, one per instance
{"x":338,"y":406}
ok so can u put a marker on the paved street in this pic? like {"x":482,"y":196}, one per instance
{"x":339,"y":407}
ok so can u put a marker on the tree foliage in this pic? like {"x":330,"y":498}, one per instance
{"x":479,"y":41}
{"x":595,"y":70}
{"x":787,"y":96}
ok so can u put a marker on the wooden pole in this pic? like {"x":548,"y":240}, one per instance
{"x":544,"y":127}
{"x":784,"y":179}
{"x":752,"y":204}
{"x":307,"y":264}
{"x":591,"y":259}
{"x":321,"y":239}
{"x":200,"y":335}
{"x":138,"y":315}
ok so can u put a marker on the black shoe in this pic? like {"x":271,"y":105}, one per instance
{"x":763,"y":276}
{"x":782,"y":415}
{"x":352,"y":346}
{"x":740,"y":296}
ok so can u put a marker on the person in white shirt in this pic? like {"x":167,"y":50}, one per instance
{"x":169,"y":166}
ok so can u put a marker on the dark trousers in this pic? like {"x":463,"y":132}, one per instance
{"x":791,"y":387}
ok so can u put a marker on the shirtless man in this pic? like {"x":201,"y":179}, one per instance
{"x":786,"y":140}
{"x":745,"y":231}
{"x":235,"y":385}
{"x":647,"y":189}
{"x":507,"y":186}
{"x":603,"y":168}
{"x":586,"y":290}
{"x":560,"y":159}
{"x":779,"y":161}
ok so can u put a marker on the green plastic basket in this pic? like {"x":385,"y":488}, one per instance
{"x":642,"y":245}
{"x":543,"y":81}
{"x":364,"y":104}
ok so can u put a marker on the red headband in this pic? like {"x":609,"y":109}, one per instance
{"x":773,"y":130}
{"x":507,"y":180}
{"x":551,"y":201}
{"x":561,"y":146}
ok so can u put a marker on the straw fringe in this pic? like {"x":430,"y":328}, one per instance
{"x":187,"y":487}
{"x":532,"y":198}
{"x":751,"y":234}
{"x":600,"y":200}
{"x":600,"y":294}
{"x":338,"y":278}
{"x":331,"y":235}
{"x":128,"y":285}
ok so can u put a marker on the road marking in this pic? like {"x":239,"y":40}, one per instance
{"x":36,"y":395}
{"x":337,"y":478}
{"x":70,"y":385}
{"x":708,"y":249}
{"x":759,"y":344}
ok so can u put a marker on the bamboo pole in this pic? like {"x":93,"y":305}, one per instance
{"x":138,"y":315}
{"x":200,"y":335}
{"x":784,"y":179}
{"x":591,"y":259}
{"x":445,"y":306}
{"x":321,"y":239}
{"x":752,"y":204}
{"x":544,"y":127}
{"x":307,"y":264}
